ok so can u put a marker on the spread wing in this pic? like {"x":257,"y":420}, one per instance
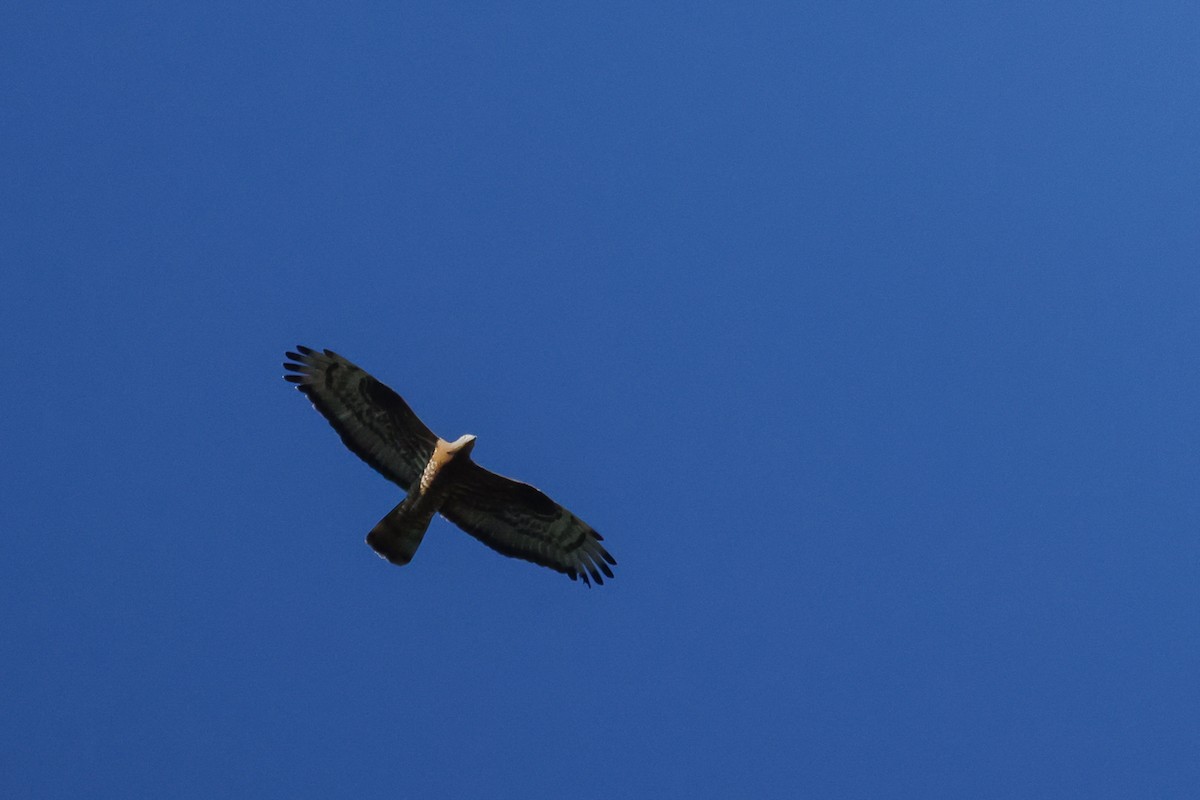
{"x":517,"y":520}
{"x":373,"y":421}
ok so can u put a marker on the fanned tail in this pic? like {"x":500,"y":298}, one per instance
{"x":397,"y":536}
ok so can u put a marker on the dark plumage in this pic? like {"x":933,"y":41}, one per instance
{"x":511,"y":517}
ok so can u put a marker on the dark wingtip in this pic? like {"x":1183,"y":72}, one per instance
{"x":605,"y":569}
{"x":293,"y":378}
{"x":308,"y":351}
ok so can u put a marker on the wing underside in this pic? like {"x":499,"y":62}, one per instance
{"x":373,"y":421}
{"x":520,"y":521}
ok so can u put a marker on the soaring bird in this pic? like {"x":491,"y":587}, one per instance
{"x":439,"y":476}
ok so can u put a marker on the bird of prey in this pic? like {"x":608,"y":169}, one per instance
{"x":439,"y":476}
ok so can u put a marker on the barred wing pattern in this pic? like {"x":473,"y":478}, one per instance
{"x":373,"y":421}
{"x":517,"y":520}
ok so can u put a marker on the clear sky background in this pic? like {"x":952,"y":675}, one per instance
{"x":866,"y":333}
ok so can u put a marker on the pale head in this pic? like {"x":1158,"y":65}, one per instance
{"x":462,"y":446}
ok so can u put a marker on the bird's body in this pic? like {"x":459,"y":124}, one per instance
{"x":440,"y":477}
{"x":397,"y":536}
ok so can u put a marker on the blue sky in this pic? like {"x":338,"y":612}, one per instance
{"x":865,"y":333}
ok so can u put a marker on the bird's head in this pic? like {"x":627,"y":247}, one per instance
{"x":463,"y":445}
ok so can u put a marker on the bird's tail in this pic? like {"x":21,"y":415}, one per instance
{"x":397,"y":536}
